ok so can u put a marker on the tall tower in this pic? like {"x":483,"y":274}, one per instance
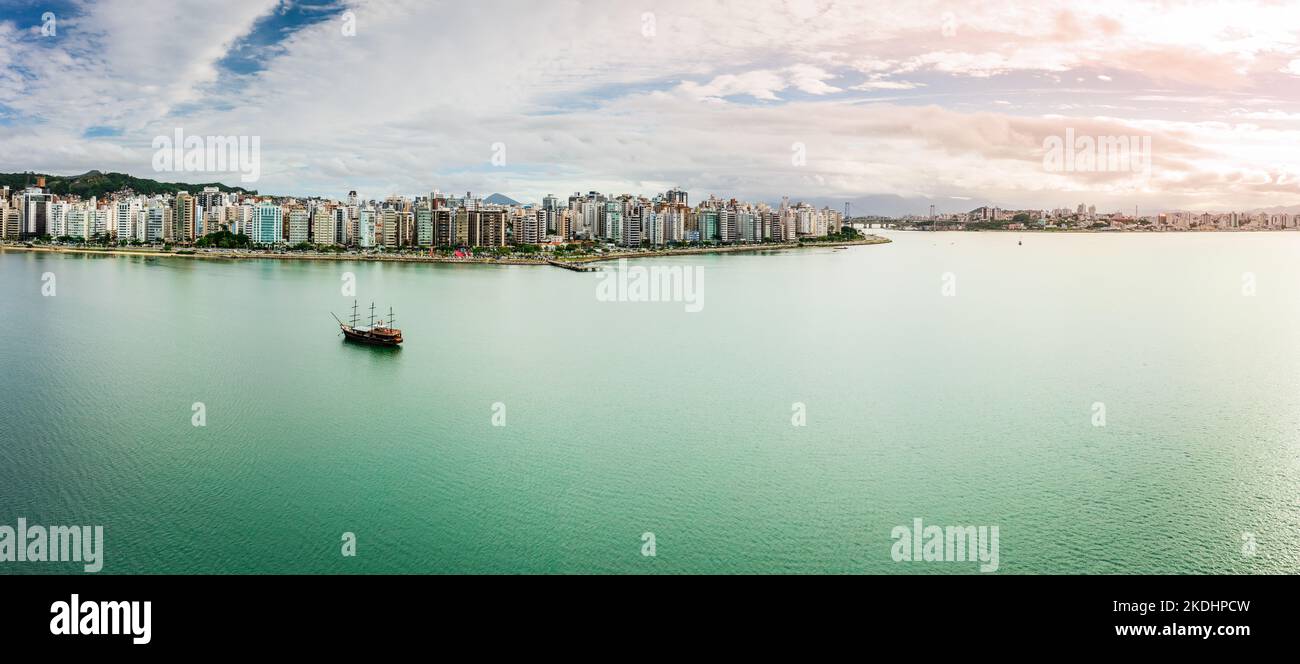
{"x":35,"y":210}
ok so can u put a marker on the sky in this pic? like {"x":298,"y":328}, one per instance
{"x":892,"y":106}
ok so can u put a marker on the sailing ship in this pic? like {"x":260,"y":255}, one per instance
{"x":378,"y":333}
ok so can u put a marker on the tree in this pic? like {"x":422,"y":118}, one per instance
{"x":224,"y":240}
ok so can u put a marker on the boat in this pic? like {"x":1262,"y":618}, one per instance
{"x":378,"y":333}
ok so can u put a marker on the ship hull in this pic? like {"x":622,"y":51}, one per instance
{"x":371,"y":339}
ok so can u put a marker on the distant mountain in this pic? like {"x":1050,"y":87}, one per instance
{"x":500,"y":199}
{"x":1279,"y":209}
{"x":95,"y":183}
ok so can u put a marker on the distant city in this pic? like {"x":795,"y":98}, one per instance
{"x":397,"y":222}
{"x":1087,"y":217}
{"x":447,"y":221}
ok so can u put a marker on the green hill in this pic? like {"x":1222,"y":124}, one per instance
{"x":95,"y":183}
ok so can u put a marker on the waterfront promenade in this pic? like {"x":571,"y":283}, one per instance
{"x":412,"y":257}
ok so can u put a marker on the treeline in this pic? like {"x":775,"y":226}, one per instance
{"x":95,"y":183}
{"x":846,"y":234}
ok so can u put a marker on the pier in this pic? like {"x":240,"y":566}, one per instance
{"x":576,"y":267}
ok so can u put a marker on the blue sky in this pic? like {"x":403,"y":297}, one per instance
{"x":891,"y":106}
{"x":253,"y":51}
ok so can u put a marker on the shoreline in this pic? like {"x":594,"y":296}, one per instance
{"x":1055,"y":231}
{"x":868,"y":240}
{"x":397,"y":258}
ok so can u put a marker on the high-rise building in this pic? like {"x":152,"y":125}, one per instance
{"x":443,"y":221}
{"x":728,"y":224}
{"x":59,"y":218}
{"x":749,"y":226}
{"x":653,"y":227}
{"x":405,"y":227}
{"x":351,"y":229}
{"x":588,"y":220}
{"x":533,"y":230}
{"x":424,"y":226}
{"x":124,"y":218}
{"x":487,"y":228}
{"x":460,"y":228}
{"x":707,"y":221}
{"x":299,"y":227}
{"x":366,"y":227}
{"x":630,"y":230}
{"x":564,"y":224}
{"x":158,"y":214}
{"x":184,"y":217}
{"x":340,"y":221}
{"x":78,"y":222}
{"x":35,"y":207}
{"x":100,"y":225}
{"x":386,"y":227}
{"x":772,"y":226}
{"x":323,"y":228}
{"x":613,"y":225}
{"x":267,"y":223}
{"x":210,"y":200}
{"x":11,"y":223}
{"x":242,"y":219}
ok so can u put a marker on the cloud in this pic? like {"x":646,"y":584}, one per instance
{"x":762,"y":84}
{"x":756,"y":84}
{"x":711,"y":99}
{"x":887,"y":85}
{"x":810,"y":79}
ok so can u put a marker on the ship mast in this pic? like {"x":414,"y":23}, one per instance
{"x":390,"y":318}
{"x":355,"y":318}
{"x":372,"y":315}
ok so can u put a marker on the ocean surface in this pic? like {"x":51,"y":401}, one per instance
{"x":1122,"y":403}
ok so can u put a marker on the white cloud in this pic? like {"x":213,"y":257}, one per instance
{"x":756,"y":84}
{"x":762,"y":84}
{"x":810,"y":79}
{"x":415,"y":100}
{"x":887,"y":85}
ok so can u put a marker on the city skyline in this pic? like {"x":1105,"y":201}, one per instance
{"x":891,"y":108}
{"x":950,"y":208}
{"x":448,"y":221}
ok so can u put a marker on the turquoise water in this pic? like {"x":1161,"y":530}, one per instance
{"x":628,"y":417}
